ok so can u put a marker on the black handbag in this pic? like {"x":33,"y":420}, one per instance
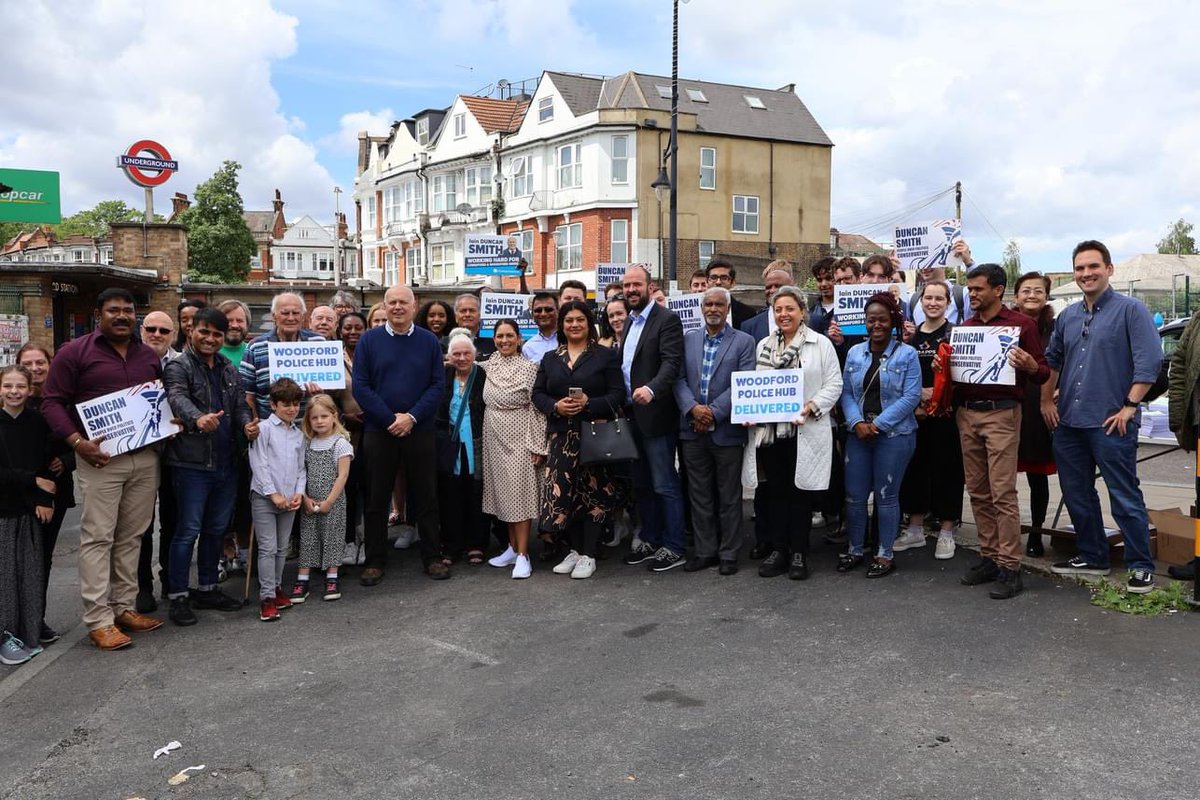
{"x":449,"y":446}
{"x":608,"y":442}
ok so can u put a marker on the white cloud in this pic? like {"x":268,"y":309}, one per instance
{"x":345,"y":140}
{"x":84,"y":80}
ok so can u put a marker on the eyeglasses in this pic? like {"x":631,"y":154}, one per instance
{"x":160,"y":331}
{"x":720,"y":278}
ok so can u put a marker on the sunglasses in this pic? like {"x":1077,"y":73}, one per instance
{"x":160,"y":331}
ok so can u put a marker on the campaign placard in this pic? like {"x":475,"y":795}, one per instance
{"x":979,"y":354}
{"x":492,"y":255}
{"x":850,"y":304}
{"x":760,"y":396}
{"x":609,"y":273}
{"x":921,"y":245}
{"x":129,"y":419}
{"x":495,"y":306}
{"x":687,"y":308}
{"x":321,"y":363}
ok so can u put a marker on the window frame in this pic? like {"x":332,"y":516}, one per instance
{"x":524,"y":178}
{"x":623,"y":160}
{"x":613,"y":240}
{"x":711,"y":168}
{"x":423,"y":130}
{"x":545,"y":109}
{"x":702,"y":259}
{"x":745,"y":213}
{"x":460,"y":125}
{"x":444,"y":264}
{"x":574,"y":167}
{"x":445,"y":192}
{"x":559,"y":247}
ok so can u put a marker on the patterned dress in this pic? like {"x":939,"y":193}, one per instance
{"x":513,"y":431}
{"x":323,"y":536}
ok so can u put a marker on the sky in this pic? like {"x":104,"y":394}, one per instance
{"x":1065,"y":120}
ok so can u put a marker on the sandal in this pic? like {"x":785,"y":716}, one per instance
{"x":475,"y":557}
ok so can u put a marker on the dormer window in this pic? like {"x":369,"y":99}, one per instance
{"x":545,"y":109}
{"x":423,"y":130}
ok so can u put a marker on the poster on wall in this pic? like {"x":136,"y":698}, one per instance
{"x":14,"y":334}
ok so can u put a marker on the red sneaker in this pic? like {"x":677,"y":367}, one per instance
{"x":268,"y":612}
{"x":282,"y":601}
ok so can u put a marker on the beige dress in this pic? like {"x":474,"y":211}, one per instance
{"x":513,"y":431}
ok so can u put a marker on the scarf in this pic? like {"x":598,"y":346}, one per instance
{"x":775,"y":353}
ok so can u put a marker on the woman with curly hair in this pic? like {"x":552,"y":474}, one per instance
{"x":881,"y":388}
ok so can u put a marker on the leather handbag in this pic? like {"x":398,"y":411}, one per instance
{"x":607,"y":442}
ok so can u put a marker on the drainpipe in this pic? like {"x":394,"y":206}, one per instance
{"x":771,"y":248}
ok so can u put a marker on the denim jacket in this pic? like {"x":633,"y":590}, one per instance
{"x":899,"y":382}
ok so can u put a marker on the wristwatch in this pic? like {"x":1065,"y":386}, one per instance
{"x":1131,"y":403}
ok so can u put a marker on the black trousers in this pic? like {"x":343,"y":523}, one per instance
{"x":789,"y":510}
{"x":418,"y":453}
{"x":460,"y":506}
{"x":933,"y":482}
{"x":166,"y":532}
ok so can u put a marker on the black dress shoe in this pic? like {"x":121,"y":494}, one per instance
{"x":697,"y":563}
{"x":773,"y":565}
{"x":1183,"y":572}
{"x":760,"y":551}
{"x":985,"y":571}
{"x":1034,"y":546}
{"x":880,"y":567}
{"x":728,"y":568}
{"x":145,"y":602}
{"x":215,"y":600}
{"x":798,"y":570}
{"x":1008,"y":584}
{"x":849,"y":561}
{"x":181,"y":612}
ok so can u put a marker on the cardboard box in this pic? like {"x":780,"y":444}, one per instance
{"x":1176,"y":535}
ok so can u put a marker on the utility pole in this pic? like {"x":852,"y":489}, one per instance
{"x":958,"y":200}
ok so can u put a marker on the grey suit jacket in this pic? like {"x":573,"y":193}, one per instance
{"x":736,"y":353}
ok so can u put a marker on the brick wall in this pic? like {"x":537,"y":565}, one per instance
{"x":799,"y":253}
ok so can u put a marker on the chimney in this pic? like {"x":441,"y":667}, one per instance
{"x":833,"y":238}
{"x":341,"y":225}
{"x":278,"y":202}
{"x":179,"y":204}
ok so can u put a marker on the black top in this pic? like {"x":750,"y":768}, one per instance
{"x":24,"y":456}
{"x":926,"y":345}
{"x":597,"y":372}
{"x":872,"y":401}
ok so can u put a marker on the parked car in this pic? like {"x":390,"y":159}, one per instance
{"x":1169,"y":335}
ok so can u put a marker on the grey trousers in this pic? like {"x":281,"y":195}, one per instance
{"x":715,"y":491}
{"x":272,"y":532}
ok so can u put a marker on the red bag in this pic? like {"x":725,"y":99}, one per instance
{"x":941,"y":402}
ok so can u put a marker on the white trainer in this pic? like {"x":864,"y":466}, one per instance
{"x":350,"y":554}
{"x":407,"y":538}
{"x":585,"y":567}
{"x":504,"y":559}
{"x":911,"y":539}
{"x":945,"y":547}
{"x":522,"y":568}
{"x":567,"y":565}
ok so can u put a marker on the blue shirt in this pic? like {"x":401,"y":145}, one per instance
{"x":464,"y":431}
{"x":538,"y":345}
{"x":711,"y":345}
{"x":633,"y":332}
{"x":1099,"y":355}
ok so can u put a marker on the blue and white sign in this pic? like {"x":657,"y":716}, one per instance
{"x":492,"y":255}
{"x":928,"y":245}
{"x":129,"y":419}
{"x":850,"y":304}
{"x":762,"y":396}
{"x":317,"y":362}
{"x":979,"y":354}
{"x":609,"y":273}
{"x":494,"y":306}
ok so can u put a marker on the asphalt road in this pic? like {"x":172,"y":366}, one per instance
{"x":629,"y":685}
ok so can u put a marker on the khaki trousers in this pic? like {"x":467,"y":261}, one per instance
{"x":989,"y":453}
{"x":118,"y":504}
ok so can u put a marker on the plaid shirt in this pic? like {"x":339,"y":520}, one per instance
{"x":711,"y":345}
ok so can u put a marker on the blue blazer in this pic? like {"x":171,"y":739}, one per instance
{"x":899,"y":387}
{"x":735,"y":353}
{"x":757,"y":326}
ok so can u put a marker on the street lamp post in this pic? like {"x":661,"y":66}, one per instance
{"x":1173,"y":277}
{"x":672,"y":262}
{"x":337,"y":239}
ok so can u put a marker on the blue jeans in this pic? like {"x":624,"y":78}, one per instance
{"x":204,"y":504}
{"x":659,"y":497}
{"x":1078,"y":452}
{"x":876,"y":465}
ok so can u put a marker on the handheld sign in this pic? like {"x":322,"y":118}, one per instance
{"x":922,"y":245}
{"x":129,"y":419}
{"x":308,"y":362}
{"x":609,"y":273}
{"x":850,"y":304}
{"x":687,"y":308}
{"x":492,"y":255}
{"x":979,"y":354}
{"x":494,"y":306}
{"x":767,"y":395}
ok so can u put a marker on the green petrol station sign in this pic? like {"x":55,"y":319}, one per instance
{"x":29,"y":195}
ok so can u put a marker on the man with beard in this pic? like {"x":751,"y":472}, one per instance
{"x":237,"y":316}
{"x":651,"y":353}
{"x":118,"y":491}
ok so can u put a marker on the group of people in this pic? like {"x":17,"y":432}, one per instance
{"x":473,"y":435}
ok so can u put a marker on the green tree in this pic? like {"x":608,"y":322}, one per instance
{"x":95,"y":222}
{"x":10,"y":229}
{"x":1178,"y":240}
{"x":1012,"y":261}
{"x":220,"y":244}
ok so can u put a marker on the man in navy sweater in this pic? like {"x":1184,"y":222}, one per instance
{"x":398,"y":381}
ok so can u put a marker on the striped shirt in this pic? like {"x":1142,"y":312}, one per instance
{"x":255,"y":371}
{"x":711,"y":345}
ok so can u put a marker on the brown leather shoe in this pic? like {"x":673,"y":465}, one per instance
{"x":371,"y":576}
{"x":138,"y":623}
{"x":437,"y":570}
{"x":109,"y":638}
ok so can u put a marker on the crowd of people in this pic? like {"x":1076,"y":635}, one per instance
{"x":609,"y":422}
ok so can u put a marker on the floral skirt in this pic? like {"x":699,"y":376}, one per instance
{"x":572,"y":489}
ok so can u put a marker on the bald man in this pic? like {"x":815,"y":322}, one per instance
{"x":398,"y":380}
{"x":759,"y":325}
{"x":158,"y":331}
{"x":323,"y":320}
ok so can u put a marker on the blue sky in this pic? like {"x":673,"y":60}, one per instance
{"x":1064,"y":120}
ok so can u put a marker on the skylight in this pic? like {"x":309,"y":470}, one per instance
{"x":754,"y":101}
{"x":663,"y":91}
{"x":697,"y":96}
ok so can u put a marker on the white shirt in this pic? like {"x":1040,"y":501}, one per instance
{"x":633,"y":333}
{"x":277,"y":459}
{"x":393,"y":332}
{"x":538,"y":345}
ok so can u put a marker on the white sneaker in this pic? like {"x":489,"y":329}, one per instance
{"x":945,"y":547}
{"x":911,"y":539}
{"x":361,"y":558}
{"x":350,"y":554}
{"x":818,"y":520}
{"x":407,"y":538}
{"x":567,"y":565}
{"x":584,"y":568}
{"x":522,"y":568}
{"x":504,"y":559}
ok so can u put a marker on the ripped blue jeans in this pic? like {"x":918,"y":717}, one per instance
{"x":876,"y":465}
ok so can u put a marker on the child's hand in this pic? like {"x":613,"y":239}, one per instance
{"x":280,"y":501}
{"x":294,"y":503}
